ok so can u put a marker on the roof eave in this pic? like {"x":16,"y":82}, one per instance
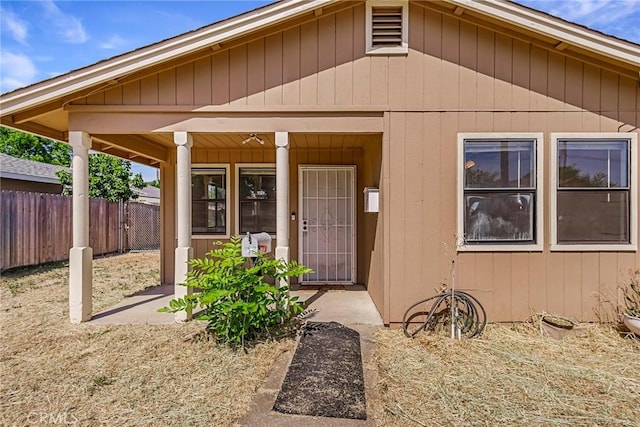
{"x":543,"y":24}
{"x":31,"y":178}
{"x":110,"y":70}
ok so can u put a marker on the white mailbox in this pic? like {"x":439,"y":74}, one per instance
{"x":254,"y":243}
{"x":371,"y":199}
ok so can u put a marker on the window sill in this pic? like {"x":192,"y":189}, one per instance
{"x":594,"y":248}
{"x":500,"y":248}
{"x":209,"y":236}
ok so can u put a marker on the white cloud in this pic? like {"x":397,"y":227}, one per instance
{"x":114,"y":42}
{"x":616,"y":17}
{"x":596,"y":12}
{"x":68,"y":26}
{"x":16,"y":27}
{"x":16,"y":70}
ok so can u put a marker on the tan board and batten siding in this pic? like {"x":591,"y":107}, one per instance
{"x":459,"y":76}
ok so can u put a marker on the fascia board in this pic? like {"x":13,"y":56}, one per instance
{"x":103,"y":72}
{"x":21,"y":177}
{"x":513,"y":13}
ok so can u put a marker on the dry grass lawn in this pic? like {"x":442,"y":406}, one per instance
{"x":508,"y":376}
{"x":131,"y":375}
{"x":54,"y":372}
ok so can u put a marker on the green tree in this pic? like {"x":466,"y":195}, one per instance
{"x":154,"y":183}
{"x":109,"y":178}
{"x":572,"y":176}
{"x":31,"y":147}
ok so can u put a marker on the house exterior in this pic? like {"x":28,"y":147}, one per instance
{"x":149,"y":195}
{"x":484,"y":132}
{"x":28,"y":175}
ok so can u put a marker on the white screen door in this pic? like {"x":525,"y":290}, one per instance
{"x":327,"y":226}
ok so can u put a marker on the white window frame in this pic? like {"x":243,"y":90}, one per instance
{"x":395,"y":50}
{"x":239,"y":166}
{"x":227,"y":168}
{"x":539,"y":209}
{"x":632,"y":137}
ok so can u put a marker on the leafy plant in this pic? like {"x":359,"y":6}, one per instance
{"x":631,"y":295}
{"x":238,"y":297}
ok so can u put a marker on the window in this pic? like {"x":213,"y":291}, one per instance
{"x":499,"y":192}
{"x":594,"y":204}
{"x":386,"y":27}
{"x":257,"y":199}
{"x":209,"y":213}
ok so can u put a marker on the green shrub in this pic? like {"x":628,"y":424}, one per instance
{"x":235,"y":295}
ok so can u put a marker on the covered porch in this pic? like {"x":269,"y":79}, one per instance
{"x":222,"y":144}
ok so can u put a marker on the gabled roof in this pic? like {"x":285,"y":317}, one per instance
{"x":136,"y":60}
{"x":51,"y":95}
{"x":567,"y":33}
{"x":28,"y":170}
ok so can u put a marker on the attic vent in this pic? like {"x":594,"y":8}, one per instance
{"x":386,"y":26}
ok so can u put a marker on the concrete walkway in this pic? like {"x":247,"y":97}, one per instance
{"x":141,"y":308}
{"x":348,"y":305}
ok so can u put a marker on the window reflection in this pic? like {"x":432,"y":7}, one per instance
{"x":494,"y":212}
{"x":257,"y":187}
{"x":592,"y":164}
{"x":208,"y":207}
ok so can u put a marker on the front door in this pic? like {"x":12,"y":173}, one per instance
{"x":327,"y":227}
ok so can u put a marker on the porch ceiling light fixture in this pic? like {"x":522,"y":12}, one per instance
{"x":253,"y":137}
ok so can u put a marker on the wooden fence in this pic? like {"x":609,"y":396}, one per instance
{"x":35,"y":228}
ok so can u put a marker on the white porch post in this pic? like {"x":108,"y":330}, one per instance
{"x":81,"y":254}
{"x":184,"y":251}
{"x":282,"y":196}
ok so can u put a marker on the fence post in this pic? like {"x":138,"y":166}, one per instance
{"x":120,"y":226}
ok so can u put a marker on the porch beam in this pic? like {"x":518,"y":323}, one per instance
{"x":137,"y":145}
{"x":282,"y":197}
{"x":123,"y":123}
{"x":184,"y":251}
{"x":228,"y":109}
{"x":81,"y":254}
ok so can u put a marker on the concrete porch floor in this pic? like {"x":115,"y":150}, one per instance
{"x":349,"y":305}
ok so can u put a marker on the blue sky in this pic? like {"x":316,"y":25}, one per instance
{"x":40,"y":39}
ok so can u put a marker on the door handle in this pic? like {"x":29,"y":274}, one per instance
{"x":304,"y":225}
